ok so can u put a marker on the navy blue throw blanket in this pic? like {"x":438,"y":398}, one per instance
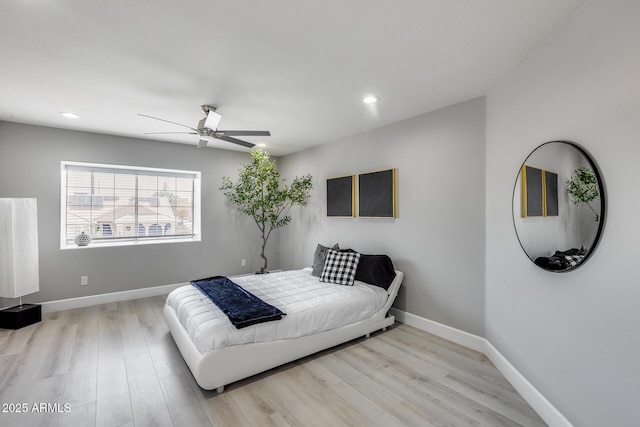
{"x":241,"y":306}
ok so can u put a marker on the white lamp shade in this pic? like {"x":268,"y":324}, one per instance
{"x":19,"y":269}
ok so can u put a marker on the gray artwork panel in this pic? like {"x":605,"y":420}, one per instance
{"x":340,"y":196}
{"x":376,"y":194}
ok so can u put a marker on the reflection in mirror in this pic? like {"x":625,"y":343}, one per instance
{"x":558,"y":206}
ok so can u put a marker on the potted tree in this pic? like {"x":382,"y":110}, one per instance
{"x":261,"y":194}
{"x":582,"y":187}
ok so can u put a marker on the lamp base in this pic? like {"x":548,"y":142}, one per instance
{"x":20,"y":316}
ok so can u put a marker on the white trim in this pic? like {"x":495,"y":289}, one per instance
{"x":196,"y":176}
{"x":447,"y":332}
{"x":134,"y":242}
{"x":112,"y":167}
{"x":67,"y":304}
{"x":538,"y":402}
{"x":549,"y":413}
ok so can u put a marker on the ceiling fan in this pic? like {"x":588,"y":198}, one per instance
{"x":208,"y":129}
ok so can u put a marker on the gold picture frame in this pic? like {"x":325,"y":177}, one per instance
{"x":341,"y":197}
{"x":539,"y":192}
{"x":377,"y":194}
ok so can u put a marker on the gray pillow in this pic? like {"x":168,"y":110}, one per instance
{"x":319,"y":257}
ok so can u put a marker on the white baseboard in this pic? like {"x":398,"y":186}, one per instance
{"x":447,"y":332}
{"x":534,"y":398}
{"x":67,"y":304}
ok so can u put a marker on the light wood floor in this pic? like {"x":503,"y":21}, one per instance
{"x":117,"y":365}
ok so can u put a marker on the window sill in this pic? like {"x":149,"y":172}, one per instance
{"x":93,"y":245}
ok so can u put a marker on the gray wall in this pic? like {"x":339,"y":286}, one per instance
{"x":574,"y":335}
{"x":30,"y":167}
{"x":438,"y":237}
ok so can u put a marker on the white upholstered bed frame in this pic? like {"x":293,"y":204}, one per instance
{"x":219,"y":367}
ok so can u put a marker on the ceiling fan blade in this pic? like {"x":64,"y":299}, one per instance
{"x":166,"y":133}
{"x":235,"y":141}
{"x":245,"y":132}
{"x":168,"y":121}
{"x":202,"y":143}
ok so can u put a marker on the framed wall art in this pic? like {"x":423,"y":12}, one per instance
{"x":539,"y":192}
{"x":377,"y":194}
{"x":341,"y":196}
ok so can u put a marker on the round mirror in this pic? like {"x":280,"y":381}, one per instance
{"x":558,"y":206}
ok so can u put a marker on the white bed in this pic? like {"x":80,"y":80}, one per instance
{"x":318,"y":316}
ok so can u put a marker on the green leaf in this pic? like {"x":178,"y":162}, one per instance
{"x":582,"y":186}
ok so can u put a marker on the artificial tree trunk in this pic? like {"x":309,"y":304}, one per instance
{"x":263,"y":269}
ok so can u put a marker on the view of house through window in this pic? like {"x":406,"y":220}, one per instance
{"x":128,"y":204}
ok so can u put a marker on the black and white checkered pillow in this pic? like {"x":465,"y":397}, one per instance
{"x":340,"y":267}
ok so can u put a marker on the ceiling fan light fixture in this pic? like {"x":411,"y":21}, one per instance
{"x":212,"y":120}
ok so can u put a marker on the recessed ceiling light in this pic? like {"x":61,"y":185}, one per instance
{"x":70,"y":115}
{"x":261,"y":145}
{"x":370,"y":99}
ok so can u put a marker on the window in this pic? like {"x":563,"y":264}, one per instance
{"x":124,"y":205}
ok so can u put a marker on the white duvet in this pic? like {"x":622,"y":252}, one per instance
{"x":311,"y":306}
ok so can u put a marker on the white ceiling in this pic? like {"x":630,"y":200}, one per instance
{"x":297,"y":68}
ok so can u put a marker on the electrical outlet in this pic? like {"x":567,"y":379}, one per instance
{"x":84,"y":280}
{"x":243,"y":262}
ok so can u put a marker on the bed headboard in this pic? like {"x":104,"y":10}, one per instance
{"x":395,"y":285}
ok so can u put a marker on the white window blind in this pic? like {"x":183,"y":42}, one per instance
{"x":120,"y":205}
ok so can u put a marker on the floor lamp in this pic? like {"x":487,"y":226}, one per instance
{"x":19,"y":270}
